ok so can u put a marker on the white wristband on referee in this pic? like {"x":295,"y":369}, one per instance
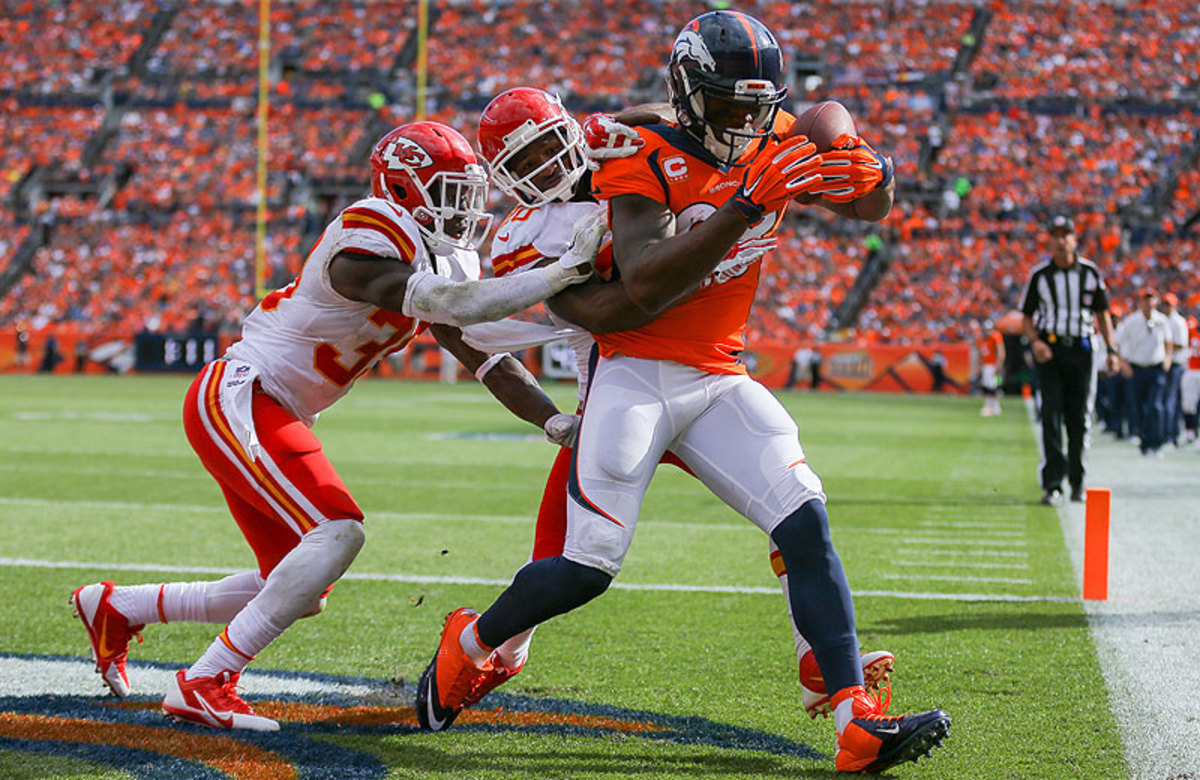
{"x":489,"y":364}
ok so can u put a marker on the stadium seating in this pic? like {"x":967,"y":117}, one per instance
{"x":996,"y":116}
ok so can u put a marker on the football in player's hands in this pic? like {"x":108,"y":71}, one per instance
{"x":823,"y":123}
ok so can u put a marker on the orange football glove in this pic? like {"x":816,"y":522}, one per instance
{"x":851,"y":169}
{"x":776,"y":176}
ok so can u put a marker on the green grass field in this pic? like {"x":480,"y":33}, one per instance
{"x":925,"y":497}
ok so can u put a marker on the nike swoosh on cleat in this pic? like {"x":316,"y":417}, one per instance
{"x":226,"y":722}
{"x":105,"y":650}
{"x":895,"y":729}
{"x":434,"y":723}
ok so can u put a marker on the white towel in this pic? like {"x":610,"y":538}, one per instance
{"x":237,"y":401}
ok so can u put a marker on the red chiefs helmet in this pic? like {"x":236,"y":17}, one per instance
{"x":431,"y":170}
{"x":534,"y":147}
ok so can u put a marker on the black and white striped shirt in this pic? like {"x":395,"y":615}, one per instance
{"x":1063,"y":301}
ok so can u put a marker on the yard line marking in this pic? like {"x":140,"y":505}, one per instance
{"x":901,"y":531}
{"x":955,"y":578}
{"x":966,"y":541}
{"x":967,"y":524}
{"x":158,"y":455}
{"x":972,"y":564}
{"x":202,"y":475}
{"x":997,"y":553}
{"x":427,"y":580}
{"x":124,"y":505}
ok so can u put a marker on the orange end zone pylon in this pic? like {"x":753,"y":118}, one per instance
{"x":1095,"y":545}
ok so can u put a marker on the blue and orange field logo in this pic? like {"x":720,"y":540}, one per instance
{"x":132,"y":735}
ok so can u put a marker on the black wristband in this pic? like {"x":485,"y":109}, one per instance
{"x":747,"y":208}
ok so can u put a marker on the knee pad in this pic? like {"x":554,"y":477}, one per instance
{"x":803,"y":533}
{"x":321,"y":557}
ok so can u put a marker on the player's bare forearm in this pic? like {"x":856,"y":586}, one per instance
{"x":598,"y":307}
{"x":508,"y":381}
{"x":657,"y":265}
{"x":370,"y":278}
{"x":646,"y":114}
{"x":872,"y":207}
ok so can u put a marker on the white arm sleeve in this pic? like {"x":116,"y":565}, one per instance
{"x":434,"y":298}
{"x":510,"y":335}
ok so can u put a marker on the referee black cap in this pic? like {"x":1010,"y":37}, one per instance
{"x":1061,"y":222}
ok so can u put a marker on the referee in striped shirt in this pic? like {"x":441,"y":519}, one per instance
{"x":1065,"y":303}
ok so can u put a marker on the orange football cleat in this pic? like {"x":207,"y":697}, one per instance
{"x":450,"y":677}
{"x":485,"y":683}
{"x":873,"y":742}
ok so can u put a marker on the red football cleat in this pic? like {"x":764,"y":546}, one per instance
{"x":109,"y":632}
{"x":877,"y":668}
{"x":212,"y":702}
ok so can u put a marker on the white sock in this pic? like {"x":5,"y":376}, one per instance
{"x":138,"y":603}
{"x":512,"y":654}
{"x":843,"y":714}
{"x":802,"y":645}
{"x":190,"y":602}
{"x":468,"y":640}
{"x":293,"y":587}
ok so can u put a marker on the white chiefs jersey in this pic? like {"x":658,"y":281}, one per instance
{"x":308,"y":342}
{"x":529,"y":234}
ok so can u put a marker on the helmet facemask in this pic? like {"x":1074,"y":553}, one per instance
{"x":726,"y":120}
{"x":541,"y":163}
{"x":454,"y":214}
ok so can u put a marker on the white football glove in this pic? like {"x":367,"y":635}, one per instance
{"x":751,"y":249}
{"x":562,"y":429}
{"x":580,"y":256}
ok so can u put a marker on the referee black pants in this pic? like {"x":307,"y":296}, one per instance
{"x":1065,"y":381}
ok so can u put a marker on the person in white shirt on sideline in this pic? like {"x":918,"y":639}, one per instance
{"x":1177,"y":334}
{"x":1142,"y":338}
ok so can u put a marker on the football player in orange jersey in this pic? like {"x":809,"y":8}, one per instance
{"x":990,"y":343}
{"x":538,"y":154}
{"x":385,"y":269}
{"x":676,"y":208}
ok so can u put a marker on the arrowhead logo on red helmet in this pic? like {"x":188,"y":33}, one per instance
{"x":406,"y":153}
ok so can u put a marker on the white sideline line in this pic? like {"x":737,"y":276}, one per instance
{"x":423,"y":580}
{"x":954,"y":578}
{"x":972,"y":564}
{"x":996,"y":553}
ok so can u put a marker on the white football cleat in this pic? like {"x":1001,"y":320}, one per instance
{"x":212,"y":702}
{"x":109,"y":632}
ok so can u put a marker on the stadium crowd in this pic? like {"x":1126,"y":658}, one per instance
{"x":1040,"y":120}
